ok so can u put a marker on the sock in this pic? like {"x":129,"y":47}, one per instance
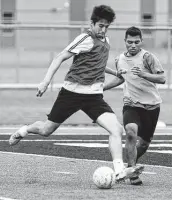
{"x":118,"y":165}
{"x":23,"y":131}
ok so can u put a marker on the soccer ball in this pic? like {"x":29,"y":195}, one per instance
{"x":104,"y":177}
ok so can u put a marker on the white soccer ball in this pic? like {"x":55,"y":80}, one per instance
{"x":104,"y":177}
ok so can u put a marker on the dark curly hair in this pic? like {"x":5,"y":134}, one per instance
{"x":133,"y":31}
{"x":103,"y":12}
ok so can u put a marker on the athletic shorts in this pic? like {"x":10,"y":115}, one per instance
{"x":67,"y":103}
{"x":145,"y":119}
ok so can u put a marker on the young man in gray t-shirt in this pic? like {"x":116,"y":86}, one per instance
{"x":141,"y":70}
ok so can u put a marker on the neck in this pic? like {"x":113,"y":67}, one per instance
{"x":130,"y":55}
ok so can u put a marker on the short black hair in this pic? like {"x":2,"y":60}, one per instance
{"x":133,"y":31}
{"x":103,"y":12}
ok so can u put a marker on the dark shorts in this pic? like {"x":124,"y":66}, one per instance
{"x":145,"y":119}
{"x":67,"y":103}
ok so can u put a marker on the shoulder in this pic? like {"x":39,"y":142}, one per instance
{"x":121,"y":56}
{"x":83,"y":37}
{"x":149,"y":56}
{"x":82,"y":43}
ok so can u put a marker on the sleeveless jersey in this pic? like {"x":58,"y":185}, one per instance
{"x":136,"y":89}
{"x":88,"y":67}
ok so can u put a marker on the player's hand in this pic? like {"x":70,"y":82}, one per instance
{"x":41,"y":89}
{"x":136,"y":70}
{"x":121,"y":71}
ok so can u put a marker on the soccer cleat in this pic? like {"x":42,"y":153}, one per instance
{"x":18,"y":135}
{"x":136,"y":181}
{"x":129,"y":172}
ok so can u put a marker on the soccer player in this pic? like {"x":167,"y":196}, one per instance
{"x":141,"y":98}
{"x":83,"y":89}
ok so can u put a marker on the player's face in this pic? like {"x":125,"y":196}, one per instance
{"x":133,"y":44}
{"x":99,"y":29}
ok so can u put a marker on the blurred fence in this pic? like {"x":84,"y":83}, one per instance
{"x":28,"y":49}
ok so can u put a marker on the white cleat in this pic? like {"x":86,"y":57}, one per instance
{"x":18,"y":135}
{"x":129,"y":172}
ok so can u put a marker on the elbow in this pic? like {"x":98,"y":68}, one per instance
{"x":163,"y":80}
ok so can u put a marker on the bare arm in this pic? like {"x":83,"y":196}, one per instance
{"x":111,"y":71}
{"x":152,"y":63}
{"x":54,"y":66}
{"x":113,"y":83}
{"x":115,"y":72}
{"x":154,"y":78}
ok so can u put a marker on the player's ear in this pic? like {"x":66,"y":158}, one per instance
{"x":91,"y":22}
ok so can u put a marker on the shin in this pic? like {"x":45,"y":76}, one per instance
{"x":130,"y":145}
{"x":42,"y":128}
{"x":142,"y":147}
{"x":110,"y":123}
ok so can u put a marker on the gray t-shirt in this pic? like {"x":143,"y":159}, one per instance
{"x":138,"y":91}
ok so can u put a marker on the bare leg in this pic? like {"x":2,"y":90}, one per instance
{"x":130,"y":145}
{"x":109,"y":122}
{"x":142,"y":147}
{"x":41,"y":128}
{"x":133,"y":150}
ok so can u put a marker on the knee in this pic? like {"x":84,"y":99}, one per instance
{"x":115,"y":129}
{"x":131,"y":132}
{"x":118,"y":131}
{"x":45,"y":133}
{"x":144,"y":145}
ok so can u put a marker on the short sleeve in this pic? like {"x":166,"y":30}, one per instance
{"x":152,"y":63}
{"x":82,"y":43}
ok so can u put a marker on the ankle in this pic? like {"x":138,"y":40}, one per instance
{"x":23,"y":131}
{"x":118,"y":165}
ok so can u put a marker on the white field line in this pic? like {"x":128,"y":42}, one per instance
{"x":153,"y":173}
{"x":166,"y":142}
{"x":65,"y":173}
{"x":74,"y":173}
{"x":161,"y":151}
{"x":86,"y":133}
{"x":103,"y":145}
{"x":74,"y":159}
{"x":73,"y":128}
{"x":39,"y":140}
{"x":4,"y":198}
{"x":5,"y":130}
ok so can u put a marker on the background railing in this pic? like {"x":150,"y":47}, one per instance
{"x":28,"y":49}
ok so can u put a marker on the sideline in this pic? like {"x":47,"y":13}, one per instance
{"x":82,"y":130}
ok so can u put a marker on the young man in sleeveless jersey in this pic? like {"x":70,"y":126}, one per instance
{"x":141,"y":71}
{"x":83,"y":89}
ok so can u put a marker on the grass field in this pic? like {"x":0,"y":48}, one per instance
{"x":61,"y":166}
